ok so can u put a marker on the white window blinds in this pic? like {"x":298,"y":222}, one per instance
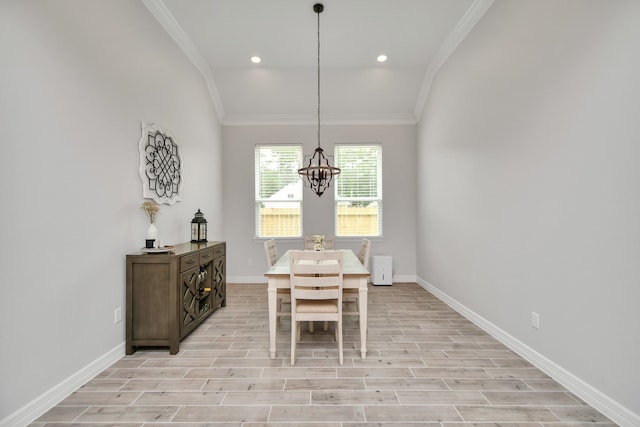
{"x":278,"y":191}
{"x":358,"y":190}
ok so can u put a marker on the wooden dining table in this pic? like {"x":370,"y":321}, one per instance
{"x":354,"y":276}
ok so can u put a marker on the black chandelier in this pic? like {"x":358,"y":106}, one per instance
{"x":318,"y":173}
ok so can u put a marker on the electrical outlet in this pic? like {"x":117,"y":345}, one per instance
{"x":117,"y":315}
{"x":535,"y":320}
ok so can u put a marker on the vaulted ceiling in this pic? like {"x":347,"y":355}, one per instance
{"x":220,"y":37}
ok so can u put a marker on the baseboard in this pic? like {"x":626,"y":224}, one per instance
{"x":37,"y":407}
{"x":603,"y":403}
{"x":403,"y":279}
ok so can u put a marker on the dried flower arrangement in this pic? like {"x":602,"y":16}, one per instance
{"x":151,"y":209}
{"x":318,"y":242}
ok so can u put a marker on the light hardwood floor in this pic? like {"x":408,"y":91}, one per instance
{"x":426,"y":366}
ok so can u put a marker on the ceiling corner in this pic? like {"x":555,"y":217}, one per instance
{"x":461,"y":30}
{"x":159,"y":10}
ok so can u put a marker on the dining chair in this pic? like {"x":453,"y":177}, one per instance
{"x":309,"y":241}
{"x":350,"y":296}
{"x":271,"y":254}
{"x":310,"y":245}
{"x":316,"y":292}
{"x":365,"y":252}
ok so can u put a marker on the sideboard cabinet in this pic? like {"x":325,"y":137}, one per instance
{"x":169,"y":294}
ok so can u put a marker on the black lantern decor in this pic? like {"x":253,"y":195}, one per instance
{"x":198,"y":228}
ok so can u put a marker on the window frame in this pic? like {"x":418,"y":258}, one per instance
{"x":379,"y":187}
{"x":258,"y":200}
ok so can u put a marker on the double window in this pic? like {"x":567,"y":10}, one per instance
{"x":279,"y":190}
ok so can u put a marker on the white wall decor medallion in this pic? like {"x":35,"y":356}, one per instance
{"x":160,"y":165}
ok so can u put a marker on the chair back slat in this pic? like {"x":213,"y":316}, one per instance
{"x":317,"y":282}
{"x":317,"y":294}
{"x":326,"y":267}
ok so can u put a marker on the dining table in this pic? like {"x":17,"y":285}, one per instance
{"x":354,"y":276}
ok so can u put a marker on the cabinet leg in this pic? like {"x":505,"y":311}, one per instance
{"x":129,"y":349}
{"x":174,"y":348}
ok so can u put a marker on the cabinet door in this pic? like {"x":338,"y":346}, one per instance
{"x":219,"y":282}
{"x":189,"y":291}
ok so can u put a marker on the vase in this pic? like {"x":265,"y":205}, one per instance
{"x":152,"y":232}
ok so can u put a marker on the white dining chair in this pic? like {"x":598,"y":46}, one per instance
{"x":316,"y":292}
{"x":271,"y":252}
{"x":364,"y":253}
{"x":284,"y":295}
{"x":310,"y":245}
{"x":350,"y":296}
{"x":328,"y":243}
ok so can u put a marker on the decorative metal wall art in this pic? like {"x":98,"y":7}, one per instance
{"x":160,"y":165}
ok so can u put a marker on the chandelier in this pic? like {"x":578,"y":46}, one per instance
{"x":318,"y":173}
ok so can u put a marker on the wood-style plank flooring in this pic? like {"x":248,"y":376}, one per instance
{"x":426,"y":366}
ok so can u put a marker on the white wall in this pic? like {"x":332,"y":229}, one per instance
{"x":529,"y":198}
{"x":399,"y":183}
{"x":77,"y":78}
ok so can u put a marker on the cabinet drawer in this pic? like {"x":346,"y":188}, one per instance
{"x":218,"y":250}
{"x":206,"y":255}
{"x":189,"y":261}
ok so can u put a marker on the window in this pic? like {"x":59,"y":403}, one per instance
{"x":358,"y":190}
{"x":278,"y":192}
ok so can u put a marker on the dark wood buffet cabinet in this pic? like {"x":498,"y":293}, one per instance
{"x":169,"y":294}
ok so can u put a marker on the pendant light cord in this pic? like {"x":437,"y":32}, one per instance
{"x":318,"y":12}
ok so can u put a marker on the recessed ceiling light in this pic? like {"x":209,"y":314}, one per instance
{"x":255,"y":59}
{"x":382,"y":58}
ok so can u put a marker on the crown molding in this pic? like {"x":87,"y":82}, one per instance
{"x":175,"y":31}
{"x":459,"y":33}
{"x":309,"y":119}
